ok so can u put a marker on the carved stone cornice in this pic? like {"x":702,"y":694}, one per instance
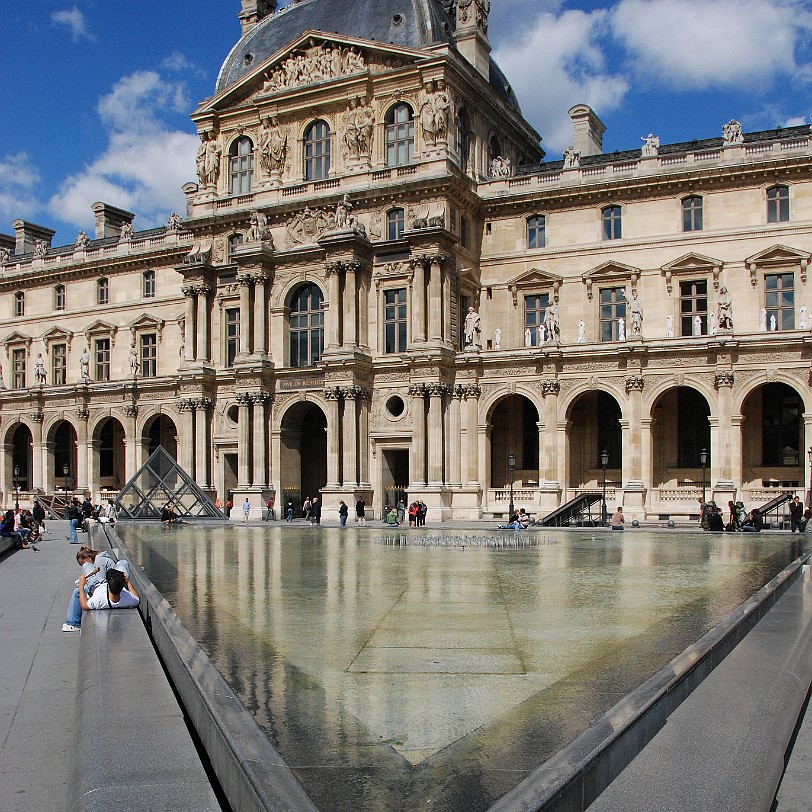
{"x":725,"y":379}
{"x":634,"y":383}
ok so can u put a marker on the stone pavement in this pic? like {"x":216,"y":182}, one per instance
{"x":38,"y":668}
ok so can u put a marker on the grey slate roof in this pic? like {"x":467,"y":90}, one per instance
{"x":424,"y":23}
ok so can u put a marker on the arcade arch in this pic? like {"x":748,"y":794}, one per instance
{"x":109,"y":461}
{"x":160,"y":430}
{"x":62,"y":456}
{"x":514,"y":425}
{"x":21,"y":457}
{"x":303,"y":454}
{"x":594,"y":426}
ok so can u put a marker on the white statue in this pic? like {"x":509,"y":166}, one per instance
{"x":126,"y":232}
{"x":551,"y":322}
{"x":528,"y":338}
{"x":82,"y":240}
{"x":84,"y":365}
{"x":802,"y":325}
{"x":621,"y":329}
{"x":712,"y":324}
{"x":473,"y":329}
{"x":208,"y":160}
{"x":134,"y":363}
{"x":501,"y":167}
{"x":497,"y":339}
{"x":669,"y":326}
{"x":572,"y":158}
{"x":762,"y":321}
{"x":39,"y":370}
{"x":2,"y":381}
{"x":732,"y":133}
{"x":697,"y":326}
{"x":541,"y":335}
{"x":636,"y":311}
{"x":725,"y":308}
{"x":581,"y":332}
{"x":772,"y":323}
{"x":651,"y":146}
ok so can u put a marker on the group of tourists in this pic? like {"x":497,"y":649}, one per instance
{"x":80,"y":515}
{"x":712,"y":518}
{"x":24,"y":526}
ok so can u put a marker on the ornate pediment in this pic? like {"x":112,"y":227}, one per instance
{"x":16,"y":339}
{"x":146,"y":324}
{"x":100,"y":329}
{"x":533,"y":279}
{"x":610,"y":272}
{"x":692,"y":264}
{"x":778,"y":256}
{"x":56,"y":335}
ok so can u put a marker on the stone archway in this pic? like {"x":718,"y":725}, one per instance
{"x":161,"y":431}
{"x":514,"y":430}
{"x":62,"y":471}
{"x":109,"y":456}
{"x":21,"y":458}
{"x":303,"y":454}
{"x":594,"y":427}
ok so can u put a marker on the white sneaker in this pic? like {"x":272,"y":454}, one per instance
{"x":66,"y":627}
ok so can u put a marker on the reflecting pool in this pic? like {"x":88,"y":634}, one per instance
{"x":435,"y":669}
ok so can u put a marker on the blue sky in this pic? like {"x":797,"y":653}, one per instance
{"x":96,"y":96}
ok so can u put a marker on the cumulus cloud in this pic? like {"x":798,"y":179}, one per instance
{"x":18,"y":181}
{"x":690,"y":44}
{"x":145,"y":162}
{"x":75,"y":20}
{"x":561,"y":62}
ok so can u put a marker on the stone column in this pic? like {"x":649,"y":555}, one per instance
{"x":435,"y":434}
{"x":548,"y":435}
{"x":632,"y":457}
{"x":260,"y":313}
{"x":446,"y":298}
{"x":363,"y":435}
{"x":807,"y":443}
{"x":186,"y":444}
{"x":471,"y":456}
{"x":332,"y":395}
{"x":351,"y":303}
{"x":131,"y":442}
{"x":245,"y":314}
{"x":646,"y":449}
{"x":82,"y":416}
{"x":260,"y":455}
{"x":436,"y":298}
{"x":202,"y":406}
{"x":203,"y":323}
{"x":483,"y":439}
{"x":562,"y":428}
{"x":243,"y":441}
{"x":455,"y":437}
{"x":723,"y":462}
{"x":37,"y":478}
{"x":363,"y":310}
{"x":417,"y":464}
{"x":419,"y":300}
{"x":349,"y":433}
{"x":189,"y":338}
{"x":334,"y":292}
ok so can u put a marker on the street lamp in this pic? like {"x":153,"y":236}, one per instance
{"x":511,"y":466}
{"x":809,"y":503}
{"x":16,"y":488}
{"x":703,"y":458}
{"x":604,"y":463}
{"x":65,"y":472}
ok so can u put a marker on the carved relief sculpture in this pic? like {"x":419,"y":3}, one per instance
{"x":473,"y":330}
{"x":501,"y":167}
{"x":307,"y":226}
{"x":434,"y":112}
{"x":208,"y":160}
{"x":258,"y":230}
{"x":40,"y":248}
{"x":82,"y":240}
{"x":126,"y":232}
{"x":474,"y":12}
{"x":572,"y":158}
{"x":272,"y":144}
{"x":316,"y":64}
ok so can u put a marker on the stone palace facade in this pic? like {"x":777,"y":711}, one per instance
{"x":381,"y":288}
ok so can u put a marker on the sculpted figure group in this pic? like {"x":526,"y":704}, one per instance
{"x":360,"y":127}
{"x":208,"y":160}
{"x":435,"y":108}
{"x":272,"y":144}
{"x":316,"y":64}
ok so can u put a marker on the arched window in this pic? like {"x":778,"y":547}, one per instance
{"x":494,"y":149}
{"x":778,"y":204}
{"x":611,"y":221}
{"x":241,"y":157}
{"x":149,"y":284}
{"x":399,"y":135}
{"x":395,"y":223}
{"x":59,"y":297}
{"x":306,"y":327}
{"x":19,"y":303}
{"x":692,"y":213}
{"x":317,"y":151}
{"x":536,"y":231}
{"x":463,"y":140}
{"x":102,"y":291}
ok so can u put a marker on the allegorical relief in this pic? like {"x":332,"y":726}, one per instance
{"x":307,"y":226}
{"x":317,"y":63}
{"x":272,"y":145}
{"x":359,"y":127}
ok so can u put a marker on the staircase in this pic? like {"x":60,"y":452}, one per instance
{"x":578,"y":512}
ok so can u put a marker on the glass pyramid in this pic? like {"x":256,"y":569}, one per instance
{"x":159,"y":482}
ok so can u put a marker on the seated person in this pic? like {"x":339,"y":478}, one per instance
{"x":514,"y":523}
{"x":97,"y":569}
{"x":118,"y":594}
{"x":715,"y":520}
{"x":754,"y":523}
{"x":618,"y":519}
{"x":804,"y":520}
{"x":168,"y":515}
{"x":392,"y":517}
{"x":524,"y":519}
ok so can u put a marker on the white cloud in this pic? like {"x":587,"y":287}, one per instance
{"x":179,"y":63}
{"x":690,"y":44}
{"x":145,"y":162}
{"x":74,"y":19}
{"x":559,"y":63}
{"x":18,"y":180}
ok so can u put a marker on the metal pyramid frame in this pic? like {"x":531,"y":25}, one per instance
{"x":161,"y":481}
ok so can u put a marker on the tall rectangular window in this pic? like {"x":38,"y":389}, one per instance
{"x":232,"y":334}
{"x":241,"y":159}
{"x":611,"y":221}
{"x":692,"y":213}
{"x":612,"y":308}
{"x":102,"y":349}
{"x":317,"y":151}
{"x":693,"y":302}
{"x":537,"y":231}
{"x":395,"y":223}
{"x":779,"y":300}
{"x":59,"y":364}
{"x":149,"y":284}
{"x":102,"y":291}
{"x":59,"y":297}
{"x":18,"y":369}
{"x":395,"y":320}
{"x":19,"y":303}
{"x":149,"y":355}
{"x":534,"y":307}
{"x":399,"y":135}
{"x":778,"y":204}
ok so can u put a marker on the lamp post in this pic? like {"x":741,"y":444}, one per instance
{"x":604,"y":463}
{"x":703,"y":458}
{"x":65,"y":472}
{"x":511,"y":467}
{"x":16,"y":488}
{"x":809,"y":503}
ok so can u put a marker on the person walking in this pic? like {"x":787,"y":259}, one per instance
{"x":343,"y":511}
{"x":315,"y":511}
{"x":360,"y":512}
{"x":401,"y":511}
{"x":289,"y":512}
{"x":271,"y":514}
{"x":306,"y":508}
{"x":74,"y":516}
{"x":246,"y":509}
{"x":796,"y":514}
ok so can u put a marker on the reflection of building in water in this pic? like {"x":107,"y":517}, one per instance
{"x":301,"y":329}
{"x":361,"y":655}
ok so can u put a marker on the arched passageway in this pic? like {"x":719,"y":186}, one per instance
{"x":161,"y":431}
{"x":303,"y":454}
{"x":21,"y":459}
{"x":109,"y":455}
{"x":514,"y":430}
{"x":62,"y":457}
{"x":594,"y":419}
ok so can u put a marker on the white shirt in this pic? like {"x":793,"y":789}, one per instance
{"x":99,"y":600}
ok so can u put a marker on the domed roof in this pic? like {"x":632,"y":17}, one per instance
{"x":409,"y":23}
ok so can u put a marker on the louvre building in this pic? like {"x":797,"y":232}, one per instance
{"x":381,"y":287}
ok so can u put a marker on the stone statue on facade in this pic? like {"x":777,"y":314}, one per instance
{"x":651,"y":146}
{"x":39,"y":371}
{"x":2,"y":380}
{"x":344,"y":219}
{"x":697,"y":326}
{"x":497,"y":339}
{"x":175,"y":223}
{"x":84,"y":365}
{"x":473,"y":329}
{"x":773,"y":323}
{"x":82,"y":240}
{"x":434,"y":111}
{"x":712,"y":328}
{"x":803,"y":323}
{"x":732,"y":133}
{"x":551,"y":323}
{"x":528,"y":338}
{"x":258,"y":230}
{"x":317,"y":63}
{"x":41,"y":248}
{"x":725,"y":310}
{"x":669,"y":326}
{"x":501,"y":167}
{"x":621,"y":329}
{"x":572,"y":158}
{"x":636,"y":315}
{"x":127,"y":232}
{"x":473,"y":12}
{"x":5,"y":256}
{"x":134,"y":362}
{"x":581,"y":332}
{"x":350,"y":137}
{"x":208,"y":160}
{"x":272,"y":144}
{"x":541,"y":335}
{"x":307,"y":226}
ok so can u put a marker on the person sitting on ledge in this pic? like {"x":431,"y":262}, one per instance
{"x":392,"y":517}
{"x":754,"y":523}
{"x":617,"y":519}
{"x":514,"y":523}
{"x":118,"y":594}
{"x":716,"y":522}
{"x":804,"y":521}
{"x":168,"y":515}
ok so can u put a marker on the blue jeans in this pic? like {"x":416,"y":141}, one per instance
{"x":74,"y":523}
{"x":342,"y":520}
{"x":74,"y":617}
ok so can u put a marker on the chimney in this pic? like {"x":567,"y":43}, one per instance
{"x":471,"y":37}
{"x":587,"y":130}
{"x":29,"y":234}
{"x":8,"y":242}
{"x":254,"y":11}
{"x":110,"y":220}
